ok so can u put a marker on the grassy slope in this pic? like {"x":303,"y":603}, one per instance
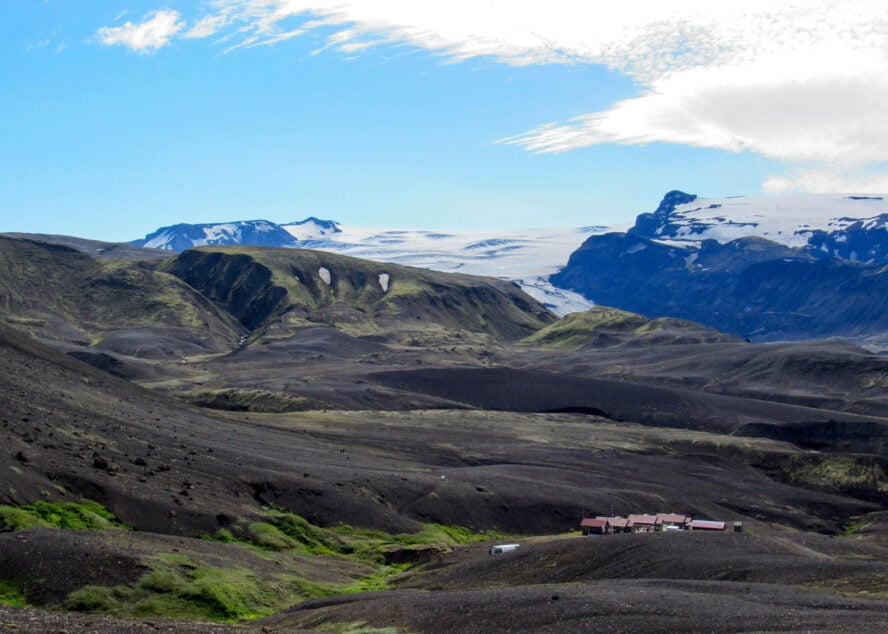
{"x":60,"y":293}
{"x":601,"y":327}
{"x":275,"y":290}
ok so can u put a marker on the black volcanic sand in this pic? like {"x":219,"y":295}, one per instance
{"x":160,"y":466}
{"x":833,"y":375}
{"x":175,"y":472}
{"x":786,"y":558}
{"x":626,"y":583}
{"x":508,"y":389}
{"x":602,"y":605}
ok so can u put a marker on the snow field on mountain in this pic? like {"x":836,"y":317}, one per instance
{"x":525,"y":256}
{"x":787,"y":219}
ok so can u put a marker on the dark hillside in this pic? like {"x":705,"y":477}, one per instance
{"x":340,"y":420}
{"x":95,"y":248}
{"x":64,"y":295}
{"x":613,"y":344}
{"x":749,"y":287}
{"x":277,"y":290}
{"x":506,"y":389}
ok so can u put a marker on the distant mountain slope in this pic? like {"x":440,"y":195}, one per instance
{"x":825,"y":225}
{"x":527,"y":256}
{"x":185,"y":236}
{"x":61,"y":294}
{"x":277,"y":290}
{"x":95,"y":248}
{"x":766,"y":269}
{"x":603,"y":327}
{"x":312,"y":228}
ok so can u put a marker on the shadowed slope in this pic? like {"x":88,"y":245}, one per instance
{"x":64,"y":295}
{"x":277,"y":290}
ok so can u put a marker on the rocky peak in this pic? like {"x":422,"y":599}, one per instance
{"x":651,"y":224}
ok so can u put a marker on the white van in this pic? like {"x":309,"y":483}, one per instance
{"x":503,"y":548}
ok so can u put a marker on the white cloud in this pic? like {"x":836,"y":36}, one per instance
{"x":152,"y":33}
{"x":210,"y":25}
{"x":803,"y":82}
{"x":830,"y":119}
{"x":828,"y":179}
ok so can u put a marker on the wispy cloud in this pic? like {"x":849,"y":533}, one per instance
{"x":830,"y":178}
{"x":207,"y":26}
{"x":155,"y":31}
{"x":805,"y":83}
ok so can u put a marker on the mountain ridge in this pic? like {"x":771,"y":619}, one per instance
{"x":525,"y":256}
{"x":764,"y":277}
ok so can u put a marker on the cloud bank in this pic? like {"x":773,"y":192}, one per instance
{"x":804,"y":83}
{"x":155,"y":31}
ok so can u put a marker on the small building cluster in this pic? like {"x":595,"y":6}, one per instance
{"x":650,"y":523}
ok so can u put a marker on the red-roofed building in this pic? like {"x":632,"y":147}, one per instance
{"x":596,"y":526}
{"x":707,"y":525}
{"x":643,"y":523}
{"x":617,"y":524}
{"x":674,"y":519}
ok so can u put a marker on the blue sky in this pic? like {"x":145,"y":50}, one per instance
{"x":118,"y":118}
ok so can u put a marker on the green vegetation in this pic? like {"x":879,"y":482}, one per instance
{"x":247,"y":400}
{"x":283,"y":286}
{"x":11,"y":594}
{"x":284,"y":531}
{"x":837,"y":472}
{"x":374,"y":545}
{"x":80,"y":516}
{"x":875,"y":587}
{"x":598,"y":325}
{"x":179,"y":586}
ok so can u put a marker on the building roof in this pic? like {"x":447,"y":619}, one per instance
{"x":616,"y":522}
{"x":673,"y":518}
{"x":708,"y":525}
{"x":598,"y":522}
{"x":649,"y":520}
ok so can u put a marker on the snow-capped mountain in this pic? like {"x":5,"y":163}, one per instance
{"x":312,"y":229}
{"x":768,"y":268}
{"x":184,"y":236}
{"x":526,"y":257}
{"x":838,"y":225}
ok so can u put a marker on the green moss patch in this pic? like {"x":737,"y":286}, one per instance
{"x":180,"y":586}
{"x":84,"y":515}
{"x":12,"y":594}
{"x":837,"y":472}
{"x":247,"y":400}
{"x":875,"y":587}
{"x":284,"y":531}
